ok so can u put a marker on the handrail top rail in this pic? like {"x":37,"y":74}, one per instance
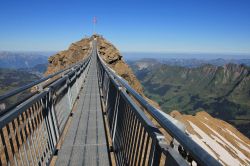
{"x":199,"y":154}
{"x":30,"y":85}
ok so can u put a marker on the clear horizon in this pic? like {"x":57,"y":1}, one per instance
{"x":210,"y":26}
{"x":135,"y":52}
{"x":157,"y":55}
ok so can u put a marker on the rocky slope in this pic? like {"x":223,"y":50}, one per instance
{"x":76,"y":52}
{"x":80,"y":50}
{"x":217,"y":137}
{"x":114,"y":59}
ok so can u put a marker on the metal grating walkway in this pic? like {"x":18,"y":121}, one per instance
{"x":85,"y":140}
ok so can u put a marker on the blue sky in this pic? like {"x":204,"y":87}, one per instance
{"x":218,"y":26}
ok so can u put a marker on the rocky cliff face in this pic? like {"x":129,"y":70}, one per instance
{"x":76,"y":52}
{"x":217,"y":137}
{"x":113,"y":58}
{"x":80,"y":50}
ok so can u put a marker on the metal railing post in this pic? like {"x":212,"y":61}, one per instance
{"x":116,"y":111}
{"x":156,"y":150}
{"x":69,"y":94}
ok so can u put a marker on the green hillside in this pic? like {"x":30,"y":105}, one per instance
{"x":224,"y":91}
{"x":11,"y":79}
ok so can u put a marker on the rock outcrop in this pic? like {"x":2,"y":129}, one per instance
{"x":80,"y":50}
{"x":111,"y":55}
{"x":217,"y":137}
{"x":75,"y":53}
{"x":113,"y":58}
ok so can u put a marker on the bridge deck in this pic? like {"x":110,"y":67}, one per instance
{"x":85,"y":140}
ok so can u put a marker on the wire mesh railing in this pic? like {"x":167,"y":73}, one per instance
{"x":30,"y":130}
{"x":135,"y":139}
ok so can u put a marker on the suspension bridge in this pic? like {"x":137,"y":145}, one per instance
{"x":87,"y":114}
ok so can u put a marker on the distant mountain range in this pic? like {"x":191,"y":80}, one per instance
{"x":38,"y":69}
{"x":18,"y":69}
{"x":222,"y":90}
{"x":193,"y":62}
{"x":30,"y":62}
{"x":183,"y":55}
{"x":16,"y":60}
{"x":199,"y":62}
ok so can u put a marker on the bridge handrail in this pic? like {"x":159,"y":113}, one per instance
{"x":30,"y":131}
{"x":201,"y":156}
{"x":30,"y":85}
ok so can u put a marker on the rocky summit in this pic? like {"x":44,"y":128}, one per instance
{"x":80,"y":50}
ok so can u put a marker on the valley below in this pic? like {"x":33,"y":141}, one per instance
{"x":223,"y":91}
{"x":18,"y":69}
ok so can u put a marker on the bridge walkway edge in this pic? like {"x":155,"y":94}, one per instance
{"x":85,"y":141}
